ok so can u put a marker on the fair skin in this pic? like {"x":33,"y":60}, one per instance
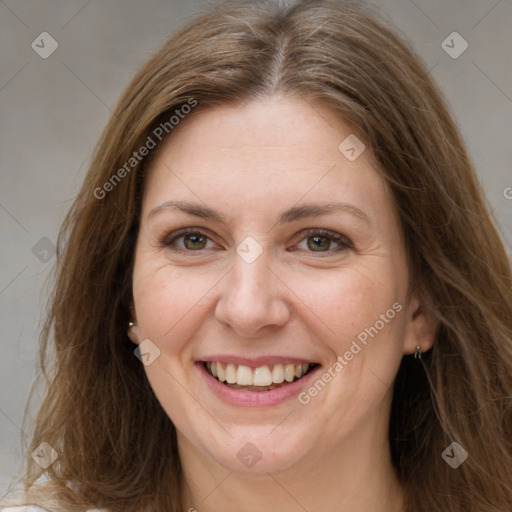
{"x":303,"y":298}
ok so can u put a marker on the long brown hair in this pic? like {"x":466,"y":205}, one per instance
{"x":116,"y":444}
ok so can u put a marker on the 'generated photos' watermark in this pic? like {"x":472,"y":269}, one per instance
{"x":156,"y":136}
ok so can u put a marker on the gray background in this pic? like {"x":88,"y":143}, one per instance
{"x":53,"y":110}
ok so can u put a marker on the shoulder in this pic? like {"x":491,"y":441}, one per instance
{"x":33,"y":508}
{"x":14,"y":502}
{"x":22,"y":508}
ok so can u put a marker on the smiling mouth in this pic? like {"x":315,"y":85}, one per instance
{"x":262,"y":378}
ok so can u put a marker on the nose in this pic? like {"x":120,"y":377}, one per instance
{"x":253,"y":299}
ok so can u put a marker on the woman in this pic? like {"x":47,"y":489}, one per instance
{"x":280,"y":287}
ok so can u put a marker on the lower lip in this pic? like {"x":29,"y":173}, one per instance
{"x":240,"y":398}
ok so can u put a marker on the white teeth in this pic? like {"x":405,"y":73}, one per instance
{"x":221,"y":373}
{"x":278,"y":373}
{"x":244,"y":376}
{"x":231,"y":374}
{"x":289,"y":372}
{"x":262,"y":376}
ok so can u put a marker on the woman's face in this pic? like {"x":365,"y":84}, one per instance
{"x":293,"y":257}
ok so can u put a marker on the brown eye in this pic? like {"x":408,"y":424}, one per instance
{"x":188,"y":240}
{"x":321,"y":241}
{"x":318,"y":243}
{"x":194,"y":241}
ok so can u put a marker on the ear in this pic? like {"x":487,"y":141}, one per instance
{"x":133,"y":330}
{"x":421,"y":327}
{"x":133,"y":334}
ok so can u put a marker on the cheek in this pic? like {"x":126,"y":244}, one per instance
{"x":169,"y":302}
{"x":344,"y":305}
{"x":168,"y":312}
{"x":359,"y":317}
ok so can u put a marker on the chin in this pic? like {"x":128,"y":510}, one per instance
{"x":256,"y":450}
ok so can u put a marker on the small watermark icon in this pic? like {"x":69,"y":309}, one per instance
{"x":249,"y":249}
{"x":44,"y":455}
{"x":147,"y":352}
{"x":44,"y":45}
{"x":454,"y":45}
{"x":507,"y":193}
{"x":249,"y":454}
{"x":351,"y":147}
{"x":454,"y":455}
{"x":44,"y":250}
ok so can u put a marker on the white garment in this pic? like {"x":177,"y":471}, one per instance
{"x":23,"y":508}
{"x":32,"y":508}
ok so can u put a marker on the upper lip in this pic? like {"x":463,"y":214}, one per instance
{"x":255,"y":362}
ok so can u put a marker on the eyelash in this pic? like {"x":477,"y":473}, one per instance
{"x":169,"y":240}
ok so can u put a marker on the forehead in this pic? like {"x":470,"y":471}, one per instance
{"x":276,"y":151}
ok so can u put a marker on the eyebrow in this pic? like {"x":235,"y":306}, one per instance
{"x":292,"y":214}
